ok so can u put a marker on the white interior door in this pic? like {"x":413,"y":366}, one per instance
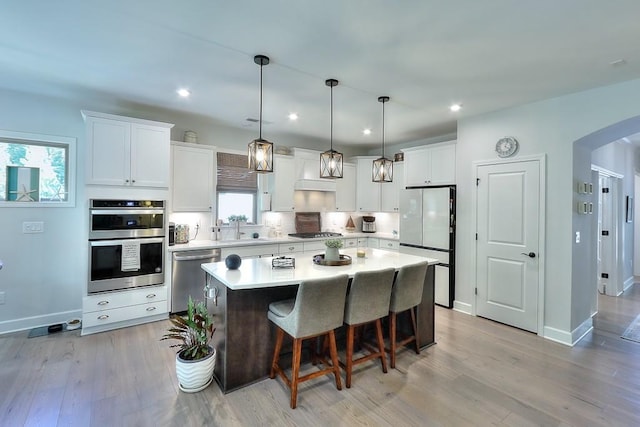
{"x":605,"y":241}
{"x":508,"y":224}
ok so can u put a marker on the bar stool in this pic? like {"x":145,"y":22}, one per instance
{"x":317,"y":310}
{"x":367,"y":301}
{"x":406,"y":295}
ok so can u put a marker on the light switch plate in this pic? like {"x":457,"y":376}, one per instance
{"x":30,"y":227}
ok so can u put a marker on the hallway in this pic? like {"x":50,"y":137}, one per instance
{"x":616,"y":313}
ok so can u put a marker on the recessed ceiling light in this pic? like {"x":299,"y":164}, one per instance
{"x":367,"y":132}
{"x":184,"y":92}
{"x":455,"y":107}
{"x":293,"y":116}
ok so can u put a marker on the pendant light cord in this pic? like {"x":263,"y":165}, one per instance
{"x":331,"y":126}
{"x":260,"y":136}
{"x":383,"y":129}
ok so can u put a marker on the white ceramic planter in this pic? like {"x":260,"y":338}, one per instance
{"x":195,"y":375}
{"x":332,"y":254}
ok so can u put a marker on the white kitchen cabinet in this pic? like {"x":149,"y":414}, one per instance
{"x":253,"y":251}
{"x":390,"y":191}
{"x":430,"y":165}
{"x":281,"y":182}
{"x":390,"y":245}
{"x":112,"y":310}
{"x":193,"y":177}
{"x":367,"y":191}
{"x":346,"y":189}
{"x":290,"y":248}
{"x":126,"y":151}
{"x":350,"y":243}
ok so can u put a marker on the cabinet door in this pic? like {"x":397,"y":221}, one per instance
{"x":108,"y":148}
{"x":283,"y":180}
{"x":346,"y":189}
{"x":150,"y":153}
{"x":443,"y":165}
{"x":192,"y":178}
{"x":367,"y":191}
{"x":390,"y":191}
{"x":417,"y":165}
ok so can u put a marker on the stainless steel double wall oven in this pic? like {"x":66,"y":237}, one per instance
{"x":126,"y":244}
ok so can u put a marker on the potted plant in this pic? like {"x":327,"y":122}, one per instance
{"x":332,"y":253}
{"x":238,"y":218}
{"x":196,"y":359}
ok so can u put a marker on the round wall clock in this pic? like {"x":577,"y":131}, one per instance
{"x":507,"y":146}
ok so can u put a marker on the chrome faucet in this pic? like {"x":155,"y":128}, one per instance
{"x":238,"y":233}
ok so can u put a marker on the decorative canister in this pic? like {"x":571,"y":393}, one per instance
{"x":190,"y":136}
{"x":182,"y":233}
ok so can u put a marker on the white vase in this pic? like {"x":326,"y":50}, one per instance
{"x":332,"y":254}
{"x":195,"y":375}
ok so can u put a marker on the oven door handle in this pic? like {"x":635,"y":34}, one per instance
{"x":125,"y":211}
{"x":142,"y":240}
{"x":209,"y":256}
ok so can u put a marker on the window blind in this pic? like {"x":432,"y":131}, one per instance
{"x":233,"y":173}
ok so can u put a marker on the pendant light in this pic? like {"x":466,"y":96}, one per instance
{"x":261,"y":150}
{"x":331,"y":161}
{"x":382,"y":167}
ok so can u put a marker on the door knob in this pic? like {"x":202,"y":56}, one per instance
{"x":530,"y":254}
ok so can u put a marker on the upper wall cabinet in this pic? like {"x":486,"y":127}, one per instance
{"x":390,"y":191}
{"x":430,"y":165}
{"x":280,"y":184}
{"x":367,"y":191}
{"x":126,"y":151}
{"x":193,"y":177}
{"x":346,"y":189}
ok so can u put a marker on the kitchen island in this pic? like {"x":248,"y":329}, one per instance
{"x":239,"y":300}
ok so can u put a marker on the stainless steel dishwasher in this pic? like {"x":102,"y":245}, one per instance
{"x":188,"y":278}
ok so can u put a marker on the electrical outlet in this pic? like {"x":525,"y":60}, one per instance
{"x":1,"y":297}
{"x":30,"y":227}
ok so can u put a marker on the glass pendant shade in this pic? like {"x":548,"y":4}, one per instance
{"x":382,"y":167}
{"x":260,"y":153}
{"x":331,"y":160}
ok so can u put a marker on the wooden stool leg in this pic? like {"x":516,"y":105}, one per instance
{"x":415,"y":328}
{"x":383,"y":359}
{"x":295,"y":371}
{"x":334,"y":358}
{"x":350,"y":338}
{"x":392,"y":339}
{"x":276,"y":353}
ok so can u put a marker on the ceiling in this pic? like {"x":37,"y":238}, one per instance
{"x":424,"y":54}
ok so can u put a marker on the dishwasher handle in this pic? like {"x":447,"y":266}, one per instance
{"x":209,"y":255}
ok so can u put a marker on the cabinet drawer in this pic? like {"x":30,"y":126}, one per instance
{"x":289,"y":248}
{"x":351,"y":243}
{"x":316,"y":245}
{"x":105,"y":317}
{"x":390,"y":245}
{"x":113,"y":300}
{"x":251,"y":251}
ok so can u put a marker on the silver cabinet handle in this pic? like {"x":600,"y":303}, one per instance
{"x":103,"y":317}
{"x":103,"y":302}
{"x":151,"y":296}
{"x":291,"y":248}
{"x":150,"y":308}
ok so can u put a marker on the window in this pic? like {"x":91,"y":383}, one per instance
{"x":36,"y":170}
{"x":236,"y":187}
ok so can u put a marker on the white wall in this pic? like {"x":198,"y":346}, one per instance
{"x":44,"y":275}
{"x":550,"y":127}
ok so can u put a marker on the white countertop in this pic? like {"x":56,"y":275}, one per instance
{"x":212,"y":244}
{"x":257,"y":272}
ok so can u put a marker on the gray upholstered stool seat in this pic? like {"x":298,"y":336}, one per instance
{"x":367,"y":301}
{"x":406,"y":295}
{"x":317,"y":310}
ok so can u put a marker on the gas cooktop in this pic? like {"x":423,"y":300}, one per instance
{"x":315,"y":234}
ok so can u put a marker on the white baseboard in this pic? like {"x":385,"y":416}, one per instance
{"x":37,"y":321}
{"x":628,"y":283}
{"x":463,"y":307}
{"x":569,"y":338}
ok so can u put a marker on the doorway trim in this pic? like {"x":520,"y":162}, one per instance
{"x":617,"y":261}
{"x":541,"y":158}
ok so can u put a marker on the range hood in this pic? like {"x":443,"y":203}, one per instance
{"x":315,"y":185}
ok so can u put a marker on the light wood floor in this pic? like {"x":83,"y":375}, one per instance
{"x":480,"y":373}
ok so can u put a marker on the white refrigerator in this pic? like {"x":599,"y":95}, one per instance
{"x":428,"y":228}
